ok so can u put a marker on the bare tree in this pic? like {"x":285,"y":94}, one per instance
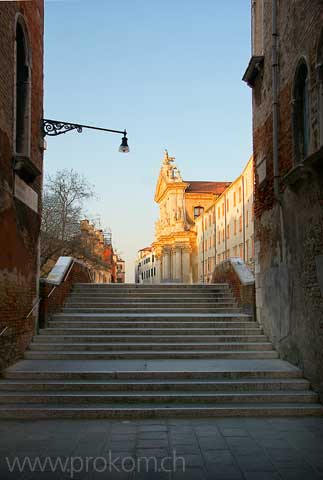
{"x":63,"y":201}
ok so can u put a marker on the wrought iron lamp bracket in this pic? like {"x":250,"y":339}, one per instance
{"x":53,"y":128}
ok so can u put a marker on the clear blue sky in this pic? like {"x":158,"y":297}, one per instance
{"x":170,"y":73}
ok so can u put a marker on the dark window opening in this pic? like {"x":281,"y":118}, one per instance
{"x":22,"y":92}
{"x":320,"y":88}
{"x":301,"y":113}
{"x":198,"y":211}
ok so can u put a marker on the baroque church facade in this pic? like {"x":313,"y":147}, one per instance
{"x":180,"y":203}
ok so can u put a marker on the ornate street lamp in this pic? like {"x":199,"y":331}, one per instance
{"x":52,"y":128}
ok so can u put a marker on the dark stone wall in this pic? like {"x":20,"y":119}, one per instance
{"x":289,"y":234}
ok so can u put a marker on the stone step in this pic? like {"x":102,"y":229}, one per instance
{"x":97,"y":332}
{"x":142,"y":287}
{"x":151,"y":309}
{"x":135,"y":346}
{"x":164,"y":410}
{"x":153,"y":291}
{"x":97,"y":397}
{"x":152,"y":295}
{"x":139,"y":385}
{"x":68,"y":374}
{"x":93,"y":302}
{"x":146,"y":354}
{"x":152,"y":339}
{"x":133,"y":324}
{"x":178,"y":317}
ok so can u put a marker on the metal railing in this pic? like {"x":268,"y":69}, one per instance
{"x":4,"y":331}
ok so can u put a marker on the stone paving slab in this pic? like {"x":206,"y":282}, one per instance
{"x":151,"y":365}
{"x":227,"y":448}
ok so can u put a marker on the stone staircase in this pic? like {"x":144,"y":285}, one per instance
{"x":153,"y":350}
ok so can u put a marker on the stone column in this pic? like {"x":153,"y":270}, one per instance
{"x":186,"y":265}
{"x":158,"y":276}
{"x":178,"y":264}
{"x":166,"y":265}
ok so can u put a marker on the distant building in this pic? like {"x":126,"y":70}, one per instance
{"x":145,"y":267}
{"x":180,"y":203}
{"x":21,"y":165}
{"x":226,"y":228}
{"x":121,"y":270}
{"x":96,"y":252}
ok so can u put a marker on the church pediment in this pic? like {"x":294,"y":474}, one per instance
{"x":169,"y":177}
{"x":161,"y":187}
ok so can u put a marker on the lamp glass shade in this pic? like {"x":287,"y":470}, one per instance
{"x":124,"y":148}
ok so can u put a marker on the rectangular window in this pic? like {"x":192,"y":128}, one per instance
{"x":228,"y":204}
{"x":247,"y":218}
{"x":240,"y":223}
{"x":219,"y":236}
{"x":228,"y":232}
{"x":240,"y":195}
{"x":223,"y":209}
{"x":198,"y":211}
{"x":219,"y":213}
{"x":235,"y":226}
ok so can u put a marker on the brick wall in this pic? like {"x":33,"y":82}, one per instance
{"x":19,"y":232}
{"x":289,"y":233}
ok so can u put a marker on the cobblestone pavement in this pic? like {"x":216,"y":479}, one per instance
{"x":251,"y":449}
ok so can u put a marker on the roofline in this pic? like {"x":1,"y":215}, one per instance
{"x":232,"y":183}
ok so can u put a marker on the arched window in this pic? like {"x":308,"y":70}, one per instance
{"x":320,"y":86}
{"x":22,"y":113}
{"x":301,"y":113}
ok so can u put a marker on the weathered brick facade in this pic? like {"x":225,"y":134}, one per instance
{"x":289,"y":226}
{"x":20,"y":224}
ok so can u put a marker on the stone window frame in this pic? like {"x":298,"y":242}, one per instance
{"x":301,"y":146}
{"x":20,"y":22}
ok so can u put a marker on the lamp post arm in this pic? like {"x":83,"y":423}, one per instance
{"x":57,"y":127}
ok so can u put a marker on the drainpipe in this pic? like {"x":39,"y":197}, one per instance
{"x":275,"y":98}
{"x":275,"y":74}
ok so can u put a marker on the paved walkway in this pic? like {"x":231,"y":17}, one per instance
{"x":249,"y":449}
